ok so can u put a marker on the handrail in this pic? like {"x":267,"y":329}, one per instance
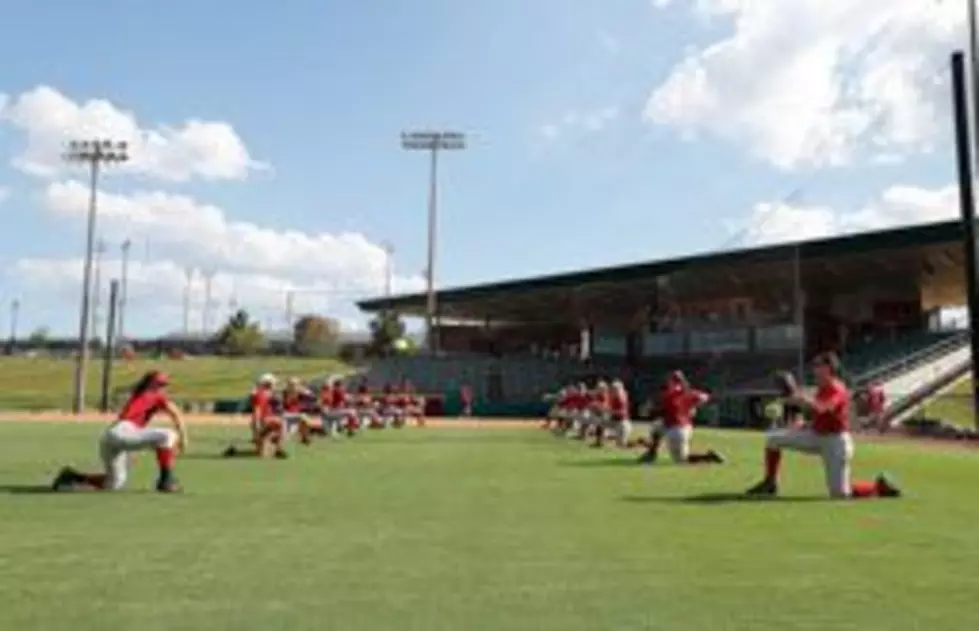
{"x":915,"y":359}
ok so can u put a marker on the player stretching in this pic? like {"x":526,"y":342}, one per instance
{"x":297,"y":400}
{"x":678,"y":405}
{"x":365,"y":407}
{"x":130,"y":432}
{"x":556,"y":412}
{"x":617,"y":422}
{"x":266,"y":426}
{"x":413,"y":403}
{"x":828,"y":436}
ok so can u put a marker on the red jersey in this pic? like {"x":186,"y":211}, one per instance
{"x":875,"y":400}
{"x":326,"y":395}
{"x":577,"y":401}
{"x":598,"y":399}
{"x":292,"y":402}
{"x":338,"y":398}
{"x":835,"y":398}
{"x":261,"y":402}
{"x":679,"y":406}
{"x":466,"y":394}
{"x":619,"y":405}
{"x":140,"y":408}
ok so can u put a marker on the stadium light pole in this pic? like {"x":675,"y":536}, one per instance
{"x":388,"y":269}
{"x":188,"y":286}
{"x":123,"y":290}
{"x":433,"y":142}
{"x":963,"y":147}
{"x":97,"y":293}
{"x":94,"y":154}
{"x":14,"y":314}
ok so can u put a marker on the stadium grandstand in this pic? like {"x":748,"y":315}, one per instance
{"x":728,"y":319}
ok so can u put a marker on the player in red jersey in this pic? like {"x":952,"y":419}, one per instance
{"x":828,"y":436}
{"x":297,"y":402}
{"x":265,"y":422}
{"x":130,"y":433}
{"x":341,"y":410}
{"x":413,"y":404}
{"x":557,"y":411}
{"x":601,"y":411}
{"x":365,"y":407}
{"x":594,"y":402}
{"x":678,"y":405}
{"x":617,"y":422}
{"x":466,"y":398}
{"x":875,"y":408}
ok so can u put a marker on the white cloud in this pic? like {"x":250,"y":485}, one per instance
{"x":258,"y":264}
{"x":577,"y":123}
{"x":203,"y":235}
{"x":813,"y":82}
{"x":897,"y":206}
{"x":209,"y":150}
{"x":4,"y":194}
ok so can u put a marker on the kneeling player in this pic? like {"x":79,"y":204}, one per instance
{"x":556,"y":412}
{"x":267,"y":427}
{"x":413,"y":404}
{"x":365,"y":408}
{"x":341,"y":413}
{"x":297,"y":402}
{"x":678,"y":405}
{"x":130,"y":433}
{"x":828,"y":437}
{"x":618,"y":423}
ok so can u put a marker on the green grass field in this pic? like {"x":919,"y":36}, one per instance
{"x":44,"y":383}
{"x":498,"y":529}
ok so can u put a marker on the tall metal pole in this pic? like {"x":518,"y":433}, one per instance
{"x":97,"y":293}
{"x":93,"y":153}
{"x":206,"y":317}
{"x":800,"y":313}
{"x":432,"y":307}
{"x":963,"y":146}
{"x":388,"y":269}
{"x":124,"y":290}
{"x":187,"y":287}
{"x":290,"y":306}
{"x":14,"y":315}
{"x":109,"y":349}
{"x":433,"y":142}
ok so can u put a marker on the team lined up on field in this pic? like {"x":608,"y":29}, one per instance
{"x":818,"y":424}
{"x":326,"y":411}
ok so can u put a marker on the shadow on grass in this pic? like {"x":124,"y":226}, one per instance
{"x":603,"y":463}
{"x":26,"y":489}
{"x":707,"y":499}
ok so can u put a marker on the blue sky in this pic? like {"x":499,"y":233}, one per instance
{"x":600,"y":132}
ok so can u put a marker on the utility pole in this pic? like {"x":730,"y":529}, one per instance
{"x":189,"y":271}
{"x":388,"y":268}
{"x":14,"y":315}
{"x":290,"y":307}
{"x":432,"y":142}
{"x":94,"y":154}
{"x":124,"y":291}
{"x":963,"y":146}
{"x":206,"y":318}
{"x":97,"y":292}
